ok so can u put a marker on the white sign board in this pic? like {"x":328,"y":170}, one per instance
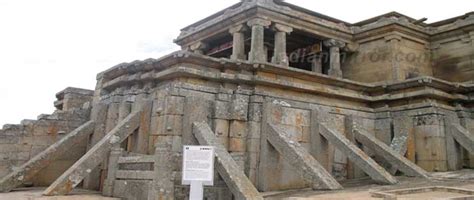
{"x":198,"y":165}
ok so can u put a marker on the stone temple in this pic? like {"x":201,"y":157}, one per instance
{"x":290,"y":98}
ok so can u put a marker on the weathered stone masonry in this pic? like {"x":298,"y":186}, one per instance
{"x":294,"y":99}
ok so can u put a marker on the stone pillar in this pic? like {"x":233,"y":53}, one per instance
{"x":317,"y":64}
{"x":198,"y":47}
{"x":335,"y":57}
{"x":238,"y":47}
{"x":257,"y":49}
{"x":279,"y":55}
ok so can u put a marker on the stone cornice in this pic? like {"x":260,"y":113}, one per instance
{"x":180,"y":64}
{"x":326,"y":27}
{"x":250,"y":9}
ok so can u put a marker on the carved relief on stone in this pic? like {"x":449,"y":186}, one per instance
{"x":424,"y":120}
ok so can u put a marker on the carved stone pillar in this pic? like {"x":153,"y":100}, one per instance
{"x":238,"y":48}
{"x":279,"y":56}
{"x":335,"y":57}
{"x":257,"y":49}
{"x":198,"y":47}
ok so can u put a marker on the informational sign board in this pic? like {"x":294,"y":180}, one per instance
{"x":198,"y":165}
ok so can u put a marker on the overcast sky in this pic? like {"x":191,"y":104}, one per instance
{"x":48,"y":45}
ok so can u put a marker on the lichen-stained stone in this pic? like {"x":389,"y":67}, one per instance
{"x":163,"y":186}
{"x":141,"y":144}
{"x":239,"y":107}
{"x":221,"y":110}
{"x":253,"y":145}
{"x":238,"y":129}
{"x":132,"y":189}
{"x":356,"y":155}
{"x":157,"y":125}
{"x":197,"y":110}
{"x":254,"y":130}
{"x":453,"y":148}
{"x":296,"y":117}
{"x":221,"y":128}
{"x":27,"y":171}
{"x":383,"y":129}
{"x":239,"y":158}
{"x":173,"y":125}
{"x":234,"y":177}
{"x":430,"y":141}
{"x":166,"y":125}
{"x":255,"y":112}
{"x":174,"y":105}
{"x":301,"y":160}
{"x":177,"y":144}
{"x":237,"y":144}
{"x":463,"y":137}
{"x":158,"y":107}
{"x":162,"y":141}
{"x":74,"y":175}
{"x":390,"y":155}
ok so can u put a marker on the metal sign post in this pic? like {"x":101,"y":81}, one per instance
{"x":198,"y":169}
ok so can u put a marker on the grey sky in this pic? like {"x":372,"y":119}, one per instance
{"x":48,"y":45}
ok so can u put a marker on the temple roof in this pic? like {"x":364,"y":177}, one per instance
{"x":326,"y":17}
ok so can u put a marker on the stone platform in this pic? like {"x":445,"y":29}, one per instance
{"x":363,"y":189}
{"x":36,"y":194}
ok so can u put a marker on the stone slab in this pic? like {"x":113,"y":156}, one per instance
{"x":297,"y":156}
{"x":463,"y":137}
{"x":28,"y":170}
{"x":356,"y":155}
{"x":390,"y":155}
{"x":234,"y":177}
{"x":74,"y":175}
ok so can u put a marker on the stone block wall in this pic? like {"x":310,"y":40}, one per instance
{"x":453,"y":57}
{"x":426,"y":127}
{"x":19,"y":143}
{"x":72,"y":98}
{"x":236,"y":110}
{"x":235,"y":113}
{"x":393,"y":57}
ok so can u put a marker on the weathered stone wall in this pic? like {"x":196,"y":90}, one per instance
{"x":236,"y":111}
{"x":390,"y":58}
{"x":368,"y":64}
{"x":19,"y":143}
{"x":72,"y":98}
{"x":425,"y":126}
{"x":453,"y":57}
